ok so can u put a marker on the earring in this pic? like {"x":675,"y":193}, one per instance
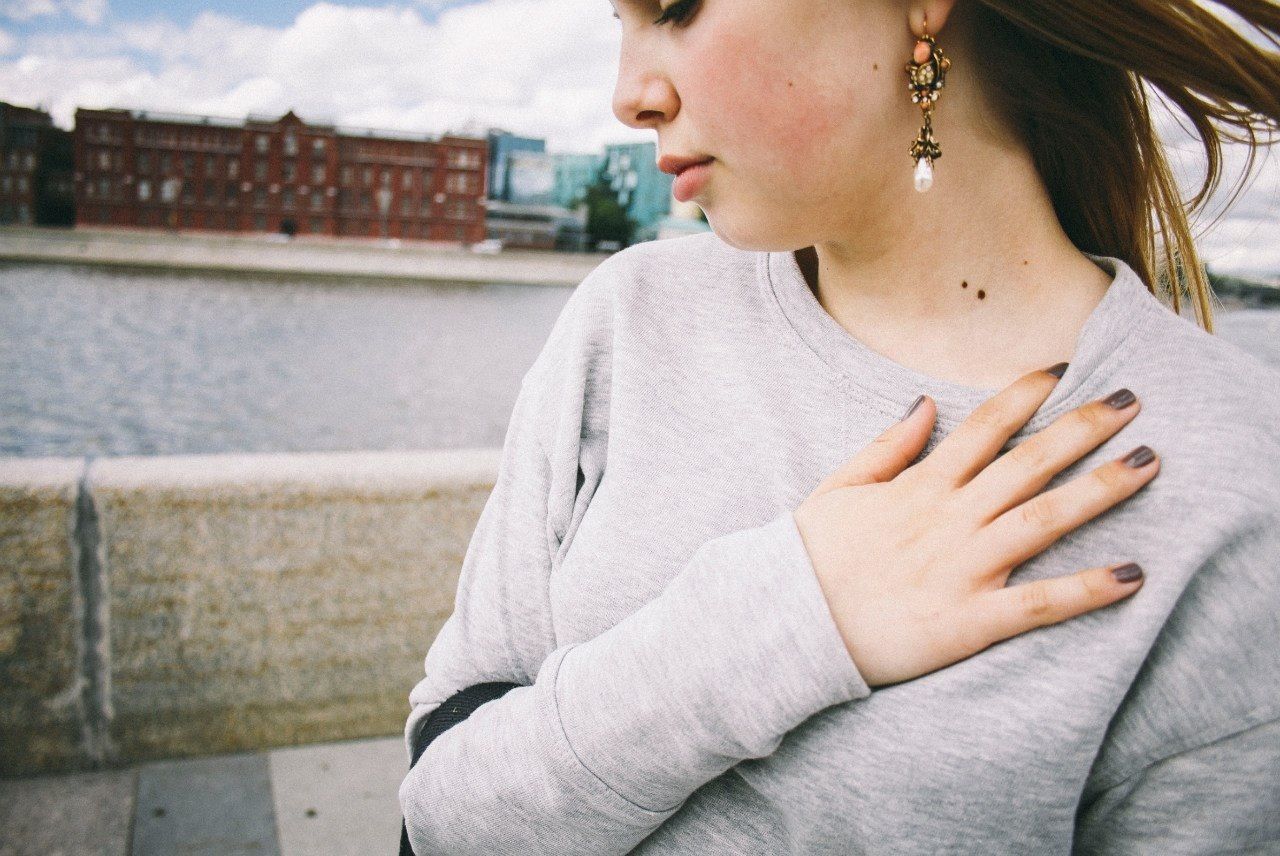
{"x":926,"y":73}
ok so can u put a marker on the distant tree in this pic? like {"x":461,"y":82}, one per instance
{"x":607,"y":219}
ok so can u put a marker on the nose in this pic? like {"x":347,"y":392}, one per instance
{"x":643,"y":96}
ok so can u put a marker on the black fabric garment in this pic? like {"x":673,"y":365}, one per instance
{"x":453,"y":710}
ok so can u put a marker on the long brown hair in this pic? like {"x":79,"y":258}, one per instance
{"x":1069,"y":77}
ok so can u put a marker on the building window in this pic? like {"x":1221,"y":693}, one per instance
{"x":260,"y":170}
{"x":30,"y":161}
{"x":386,"y":178}
{"x":286,"y":198}
{"x":210,"y":193}
{"x":260,"y":198}
{"x":188,"y":164}
{"x":22,"y":184}
{"x":6,"y":184}
{"x":367,"y":176}
{"x":317,"y":201}
{"x":263,"y":143}
{"x":104,"y":187}
{"x":144,"y":162}
{"x":290,"y":171}
{"x":144,"y":190}
{"x":290,"y":143}
{"x":317,"y":145}
{"x":209,"y":167}
{"x":317,"y":174}
{"x":166,"y":162}
{"x":317,"y":225}
{"x":232,"y":194}
{"x":406,"y":180}
{"x":233,"y":169}
{"x":260,"y":222}
{"x":406,"y":206}
{"x":464,"y":158}
{"x":104,"y":159}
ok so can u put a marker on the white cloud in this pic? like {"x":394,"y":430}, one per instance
{"x":86,"y":11}
{"x":544,"y":68}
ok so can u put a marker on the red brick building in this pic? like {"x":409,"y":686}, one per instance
{"x":35,"y":168}
{"x":150,"y":170}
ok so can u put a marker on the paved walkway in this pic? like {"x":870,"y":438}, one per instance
{"x":331,"y":258}
{"x":332,"y":799}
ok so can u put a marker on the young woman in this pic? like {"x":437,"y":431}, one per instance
{"x":726,"y":598}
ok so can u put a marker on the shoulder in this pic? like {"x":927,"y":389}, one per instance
{"x":633,"y":297}
{"x":666,"y":274}
{"x":1213,"y":405}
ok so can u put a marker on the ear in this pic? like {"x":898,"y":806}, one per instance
{"x":937,"y":12}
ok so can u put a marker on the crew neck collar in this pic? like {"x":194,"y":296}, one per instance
{"x":1101,"y":347}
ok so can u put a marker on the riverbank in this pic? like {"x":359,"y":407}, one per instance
{"x":303,"y":256}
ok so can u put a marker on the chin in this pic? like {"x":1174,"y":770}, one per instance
{"x":775,"y":232}
{"x":755,"y":236}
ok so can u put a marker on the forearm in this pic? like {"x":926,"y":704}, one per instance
{"x":616,"y":732}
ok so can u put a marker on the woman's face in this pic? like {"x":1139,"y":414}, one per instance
{"x":803,"y":104}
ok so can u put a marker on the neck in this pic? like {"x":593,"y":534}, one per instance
{"x":973,"y":281}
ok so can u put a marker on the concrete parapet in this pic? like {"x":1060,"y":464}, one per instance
{"x":160,"y":607}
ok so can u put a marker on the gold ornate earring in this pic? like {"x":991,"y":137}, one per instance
{"x":926,"y":73}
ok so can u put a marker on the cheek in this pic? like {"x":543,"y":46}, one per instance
{"x":759,"y":102}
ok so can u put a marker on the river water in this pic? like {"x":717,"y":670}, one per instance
{"x":108,"y":362}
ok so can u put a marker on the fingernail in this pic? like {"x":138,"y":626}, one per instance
{"x":1120,"y":399}
{"x":1058,"y":369}
{"x":912,"y":408}
{"x":1139,"y":457}
{"x":1127,"y":573}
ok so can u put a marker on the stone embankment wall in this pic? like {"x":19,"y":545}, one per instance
{"x":158,"y":607}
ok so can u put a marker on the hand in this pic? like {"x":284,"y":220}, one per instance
{"x":913,"y":562}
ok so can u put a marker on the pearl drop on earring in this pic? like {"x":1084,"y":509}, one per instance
{"x":924,"y":175}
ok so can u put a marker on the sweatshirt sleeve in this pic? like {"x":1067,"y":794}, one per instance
{"x":608,"y":737}
{"x":1222,"y":796}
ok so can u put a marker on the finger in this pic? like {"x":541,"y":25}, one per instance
{"x":1016,"y":609}
{"x":1025,"y":530}
{"x":889,"y":453}
{"x":1022,"y":472}
{"x":977,"y":440}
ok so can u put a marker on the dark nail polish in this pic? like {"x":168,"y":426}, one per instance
{"x":1139,"y":457}
{"x":1120,"y":399}
{"x":1057,"y":369}
{"x":1127,"y":573}
{"x":912,"y":408}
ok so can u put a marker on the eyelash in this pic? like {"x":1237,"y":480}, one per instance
{"x":677,"y":12}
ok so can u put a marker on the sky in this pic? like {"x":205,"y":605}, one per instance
{"x":539,"y":68}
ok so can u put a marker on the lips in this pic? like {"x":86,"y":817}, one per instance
{"x":690,"y":181}
{"x":676,"y":164}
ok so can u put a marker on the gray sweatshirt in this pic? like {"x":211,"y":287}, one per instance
{"x":685,"y":690}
